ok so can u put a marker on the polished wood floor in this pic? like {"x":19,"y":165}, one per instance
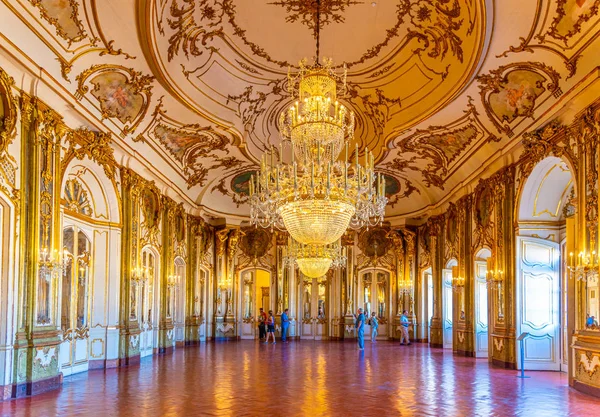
{"x":309,"y":378}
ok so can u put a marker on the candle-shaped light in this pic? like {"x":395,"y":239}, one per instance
{"x":295,"y":177}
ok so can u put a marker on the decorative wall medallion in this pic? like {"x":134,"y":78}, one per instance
{"x":374,"y":243}
{"x":123,"y":93}
{"x":224,"y":327}
{"x":589,"y":362}
{"x":255,"y":242}
{"x":498,"y":344}
{"x":75,"y":198}
{"x":513,"y":91}
{"x":45,"y":356}
{"x":461,"y":337}
{"x":134,"y":341}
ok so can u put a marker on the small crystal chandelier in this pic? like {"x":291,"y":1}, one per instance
{"x":315,"y":260}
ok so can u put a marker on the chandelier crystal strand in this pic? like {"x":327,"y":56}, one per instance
{"x":317,"y":194}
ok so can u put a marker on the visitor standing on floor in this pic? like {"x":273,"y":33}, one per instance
{"x":360,"y":329}
{"x":262,"y":319}
{"x":404,"y":328}
{"x":270,"y":327}
{"x":374,"y":326}
{"x":285,"y":323}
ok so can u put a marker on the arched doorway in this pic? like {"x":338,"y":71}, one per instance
{"x":256,"y":294}
{"x":178,"y":299}
{"x":541,"y":296}
{"x":314,"y":307}
{"x":481,"y":303}
{"x":447,"y":302}
{"x":148,"y":296}
{"x":375,"y":297}
{"x":90,"y":237}
{"x":426,"y":305}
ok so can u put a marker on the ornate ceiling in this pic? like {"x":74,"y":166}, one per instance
{"x":193,"y":88}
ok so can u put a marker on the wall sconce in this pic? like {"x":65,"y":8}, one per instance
{"x":172,"y":281}
{"x":405,"y":286}
{"x":493,"y":275}
{"x":139,"y":275}
{"x":585,"y":268}
{"x":51,"y":265}
{"x":457,"y":281}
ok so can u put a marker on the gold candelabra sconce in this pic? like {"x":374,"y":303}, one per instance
{"x":173,"y":281}
{"x":585,"y":267}
{"x":139,"y":275}
{"x":493,"y":275}
{"x":458,"y":282}
{"x":405,"y":286}
{"x":225,"y":283}
{"x":52,"y":264}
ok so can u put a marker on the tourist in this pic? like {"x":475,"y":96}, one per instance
{"x":374,"y":326}
{"x":404,"y":328}
{"x":589,"y":321}
{"x":270,"y":327}
{"x":285,"y":323}
{"x":360,"y":329}
{"x":262,"y":319}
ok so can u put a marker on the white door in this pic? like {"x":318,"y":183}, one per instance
{"x":538,"y":303}
{"x":147,"y":314}
{"x":74,"y":350}
{"x":447,"y":301}
{"x":313,"y":303}
{"x":481,"y":311}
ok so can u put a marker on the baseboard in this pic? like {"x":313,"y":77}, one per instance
{"x":504,"y":365}
{"x":37,"y":387}
{"x":5,"y":392}
{"x":436,"y":345}
{"x":465,"y":353}
{"x":132,"y":360}
{"x":586,"y":389}
{"x":166,"y":350}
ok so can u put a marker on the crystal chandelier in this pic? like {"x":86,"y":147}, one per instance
{"x":315,"y":260}
{"x":316,"y":195}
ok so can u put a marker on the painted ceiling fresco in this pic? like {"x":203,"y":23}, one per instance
{"x":195,"y":87}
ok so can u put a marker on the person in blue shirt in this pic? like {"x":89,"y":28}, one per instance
{"x":404,"y":328}
{"x":374,"y":326}
{"x":360,"y":329}
{"x":285,"y":323}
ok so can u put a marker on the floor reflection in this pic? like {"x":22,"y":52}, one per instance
{"x":309,"y":378}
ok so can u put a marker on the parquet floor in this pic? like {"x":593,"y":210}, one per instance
{"x":309,"y":378}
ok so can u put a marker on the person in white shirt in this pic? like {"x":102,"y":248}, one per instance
{"x":404,"y":328}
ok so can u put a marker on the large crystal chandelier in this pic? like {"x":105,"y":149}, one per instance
{"x":315,"y":260}
{"x":315,"y":195}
